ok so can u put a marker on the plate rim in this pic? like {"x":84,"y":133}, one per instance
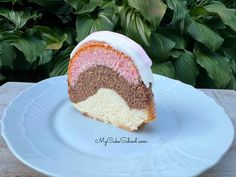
{"x":3,"y":133}
{"x":55,"y":79}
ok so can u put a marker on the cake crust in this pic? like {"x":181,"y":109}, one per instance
{"x":87,"y":84}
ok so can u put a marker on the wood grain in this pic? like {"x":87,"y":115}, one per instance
{"x":12,"y":167}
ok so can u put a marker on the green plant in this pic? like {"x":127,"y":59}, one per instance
{"x":190,"y":40}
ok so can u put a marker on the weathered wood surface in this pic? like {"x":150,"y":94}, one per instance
{"x":11,"y":167}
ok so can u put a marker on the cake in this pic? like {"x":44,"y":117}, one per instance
{"x":110,"y":79}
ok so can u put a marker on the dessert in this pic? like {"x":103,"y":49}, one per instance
{"x":110,"y":79}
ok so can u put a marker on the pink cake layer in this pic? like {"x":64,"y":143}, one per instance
{"x":106,"y":56}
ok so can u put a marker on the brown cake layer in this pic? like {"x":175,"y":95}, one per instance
{"x":137,"y":96}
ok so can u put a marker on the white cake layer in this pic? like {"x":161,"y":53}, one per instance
{"x":108,"y":106}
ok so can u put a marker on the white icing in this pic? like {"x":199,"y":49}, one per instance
{"x":127,"y":46}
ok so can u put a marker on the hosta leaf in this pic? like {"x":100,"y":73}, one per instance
{"x":230,"y":53}
{"x":63,"y":11}
{"x":7,"y":55}
{"x":47,"y":3}
{"x":186,"y":68}
{"x":165,"y":69}
{"x":230,"y":42}
{"x":151,"y":10}
{"x":13,"y":1}
{"x":175,"y":53}
{"x":60,"y":68}
{"x":233,"y":66}
{"x":198,"y":12}
{"x":90,"y":7}
{"x":232,"y":83}
{"x":10,"y":36}
{"x":160,"y":47}
{"x":228,"y":16}
{"x":216,"y":24}
{"x":86,"y":25}
{"x":205,"y":35}
{"x":5,"y":24}
{"x":227,"y":33}
{"x":75,"y":3}
{"x":31,"y":47}
{"x":217,"y":67}
{"x":53,"y":42}
{"x":20,"y":63}
{"x":135,"y":27}
{"x":61,"y":62}
{"x":57,"y":7}
{"x":71,"y":35}
{"x":45,"y":57}
{"x":18,"y":18}
{"x":179,"y":8}
{"x":175,"y":35}
{"x":110,"y":7}
{"x":2,"y":77}
{"x":53,"y":39}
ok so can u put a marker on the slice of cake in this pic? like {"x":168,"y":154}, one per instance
{"x":110,"y":79}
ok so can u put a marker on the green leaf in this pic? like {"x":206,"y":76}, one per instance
{"x":13,"y":1}
{"x":110,"y":7}
{"x":230,"y":53}
{"x":186,"y":67}
{"x":205,"y":35}
{"x":61,"y":62}
{"x":165,"y":69}
{"x":58,"y":8}
{"x":31,"y":47}
{"x":75,"y":4}
{"x":179,"y":8}
{"x":86,"y":25}
{"x":60,"y":68}
{"x":134,"y":26}
{"x":228,"y":16}
{"x":152,"y":10}
{"x":45,"y":57}
{"x":20,"y":63}
{"x":230,"y":42}
{"x":175,"y":35}
{"x":232,"y":83}
{"x":71,"y":35}
{"x":233,"y":66}
{"x":175,"y":54}
{"x":53,"y":42}
{"x":217,"y":66}
{"x":216,"y":24}
{"x":47,"y":3}
{"x":10,"y":36}
{"x":90,"y":7}
{"x":53,"y":39}
{"x":2,"y":77}
{"x":160,"y":47}
{"x":18,"y":18}
{"x":199,"y":12}
{"x":7,"y":55}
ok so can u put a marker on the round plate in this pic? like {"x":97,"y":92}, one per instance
{"x":45,"y":132}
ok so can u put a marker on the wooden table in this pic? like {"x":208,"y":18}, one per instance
{"x":11,"y":167}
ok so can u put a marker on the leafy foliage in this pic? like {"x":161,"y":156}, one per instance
{"x":193,"y":41}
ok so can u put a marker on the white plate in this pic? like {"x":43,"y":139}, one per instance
{"x":44,"y":131}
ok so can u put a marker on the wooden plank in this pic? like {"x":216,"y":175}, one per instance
{"x":10,"y":166}
{"x":227,"y":166}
